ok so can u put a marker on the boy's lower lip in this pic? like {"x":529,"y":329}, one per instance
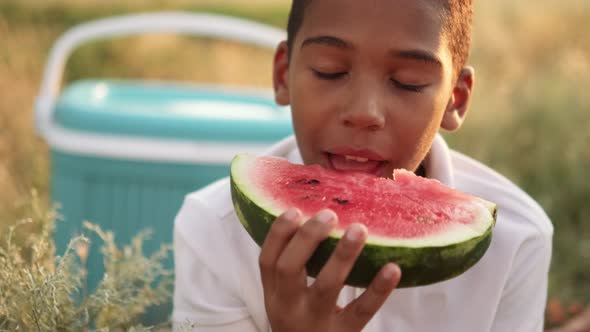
{"x":339,"y":163}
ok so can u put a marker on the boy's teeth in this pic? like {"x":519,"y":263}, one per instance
{"x":359,"y":159}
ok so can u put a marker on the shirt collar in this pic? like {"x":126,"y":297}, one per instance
{"x":437,"y":163}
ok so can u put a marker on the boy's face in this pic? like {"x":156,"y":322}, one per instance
{"x":370,"y":83}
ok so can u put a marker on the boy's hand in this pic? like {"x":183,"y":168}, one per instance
{"x":293,"y":306}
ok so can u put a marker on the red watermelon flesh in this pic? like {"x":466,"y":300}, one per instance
{"x":408,"y":207}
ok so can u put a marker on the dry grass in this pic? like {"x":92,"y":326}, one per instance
{"x":44,"y":292}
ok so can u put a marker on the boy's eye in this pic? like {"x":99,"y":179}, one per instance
{"x":408,"y":87}
{"x":328,"y":76}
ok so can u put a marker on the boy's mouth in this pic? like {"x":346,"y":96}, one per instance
{"x":347,"y":160}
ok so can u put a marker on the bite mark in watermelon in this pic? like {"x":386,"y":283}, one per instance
{"x":431,"y":231}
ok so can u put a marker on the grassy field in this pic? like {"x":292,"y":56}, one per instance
{"x":530,"y":118}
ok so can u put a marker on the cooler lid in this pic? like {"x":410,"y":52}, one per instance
{"x":171,"y":110}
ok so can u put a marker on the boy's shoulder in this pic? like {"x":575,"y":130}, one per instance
{"x":516,"y":209}
{"x":215,"y":196}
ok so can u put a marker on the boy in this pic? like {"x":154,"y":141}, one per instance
{"x":370,"y":83}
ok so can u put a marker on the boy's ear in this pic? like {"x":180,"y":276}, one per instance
{"x":280,"y":74}
{"x":460,"y":100}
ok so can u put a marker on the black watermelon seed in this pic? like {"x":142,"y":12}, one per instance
{"x":340,"y":201}
{"x":306,"y":181}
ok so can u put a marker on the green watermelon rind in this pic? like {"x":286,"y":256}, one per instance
{"x":420,"y":265}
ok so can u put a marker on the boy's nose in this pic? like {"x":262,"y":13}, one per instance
{"x":367,"y":114}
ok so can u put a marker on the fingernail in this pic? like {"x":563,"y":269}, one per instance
{"x":355,"y":232}
{"x":291,"y":214}
{"x":390,"y":270}
{"x":325,"y":216}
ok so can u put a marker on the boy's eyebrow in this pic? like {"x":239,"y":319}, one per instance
{"x":420,"y":55}
{"x":326,"y":40}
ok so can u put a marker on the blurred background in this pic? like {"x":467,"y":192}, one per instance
{"x":530,"y":118}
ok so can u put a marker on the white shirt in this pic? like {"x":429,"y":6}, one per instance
{"x":218,"y":285}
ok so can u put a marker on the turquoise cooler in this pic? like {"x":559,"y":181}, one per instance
{"x":125,"y":153}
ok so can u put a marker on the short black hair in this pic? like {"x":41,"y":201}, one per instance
{"x":457,"y":16}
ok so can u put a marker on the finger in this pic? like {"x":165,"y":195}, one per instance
{"x":330,"y":280}
{"x":358,"y":313}
{"x":280,"y":233}
{"x":291,"y":274}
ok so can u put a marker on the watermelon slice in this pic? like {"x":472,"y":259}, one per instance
{"x":431,"y":231}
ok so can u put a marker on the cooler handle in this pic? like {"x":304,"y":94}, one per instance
{"x":207,"y":25}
